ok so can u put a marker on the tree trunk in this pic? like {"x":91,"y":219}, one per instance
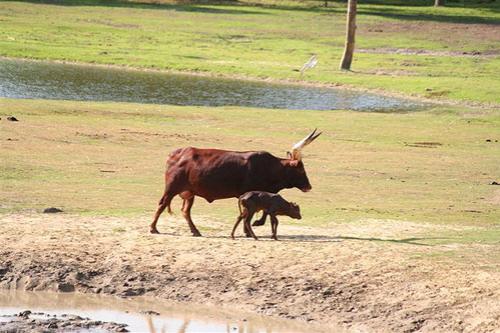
{"x":438,"y":3}
{"x":350,"y":34}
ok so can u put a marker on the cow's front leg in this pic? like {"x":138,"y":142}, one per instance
{"x":186,"y":212}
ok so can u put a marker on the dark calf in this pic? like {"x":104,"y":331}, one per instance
{"x":272,"y":205}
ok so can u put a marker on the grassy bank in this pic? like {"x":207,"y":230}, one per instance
{"x":108,"y":159}
{"x":271,"y":41}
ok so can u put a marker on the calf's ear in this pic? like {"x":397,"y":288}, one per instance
{"x":289,"y":155}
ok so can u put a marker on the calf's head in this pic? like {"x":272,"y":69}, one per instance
{"x":294,"y":211}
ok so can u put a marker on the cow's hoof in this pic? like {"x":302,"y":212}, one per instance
{"x":154,"y":231}
{"x":196,"y":234}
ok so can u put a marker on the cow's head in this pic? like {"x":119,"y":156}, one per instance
{"x":296,"y":174}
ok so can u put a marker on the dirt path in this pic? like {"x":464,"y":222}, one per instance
{"x":365,"y":276}
{"x":490,"y":53}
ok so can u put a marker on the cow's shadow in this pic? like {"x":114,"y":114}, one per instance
{"x":419,"y":241}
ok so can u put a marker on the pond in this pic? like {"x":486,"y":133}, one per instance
{"x":97,"y":313}
{"x":48,"y":80}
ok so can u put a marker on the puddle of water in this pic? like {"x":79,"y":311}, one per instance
{"x":172,"y":317}
{"x":45,"y":80}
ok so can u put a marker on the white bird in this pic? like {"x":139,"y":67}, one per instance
{"x":311,"y":63}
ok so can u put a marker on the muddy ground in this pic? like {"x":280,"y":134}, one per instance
{"x":27,"y":321}
{"x":372,"y":275}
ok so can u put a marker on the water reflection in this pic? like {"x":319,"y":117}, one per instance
{"x":43,"y":80}
{"x":179,"y":318}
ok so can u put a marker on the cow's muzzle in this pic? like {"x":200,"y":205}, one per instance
{"x":306,"y":189}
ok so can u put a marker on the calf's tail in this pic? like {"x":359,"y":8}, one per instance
{"x":240,"y":202}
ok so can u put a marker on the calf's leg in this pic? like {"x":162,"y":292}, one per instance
{"x":274,"y":227}
{"x":248,"y":226}
{"x":247,"y":232}
{"x":260,"y":221}
{"x":238,"y":220}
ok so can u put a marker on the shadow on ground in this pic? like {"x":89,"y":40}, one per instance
{"x":321,"y":238}
{"x":394,"y":9}
{"x":431,"y":16}
{"x":193,"y":7}
{"x":419,"y":241}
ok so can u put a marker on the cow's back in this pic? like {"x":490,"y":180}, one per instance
{"x":212,"y":173}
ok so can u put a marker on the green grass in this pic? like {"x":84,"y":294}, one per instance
{"x":270,"y":41}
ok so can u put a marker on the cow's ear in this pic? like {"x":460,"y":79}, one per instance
{"x":289,"y":155}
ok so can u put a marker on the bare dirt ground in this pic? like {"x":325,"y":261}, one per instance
{"x":372,"y":275}
{"x":491,"y":53}
{"x":450,"y":32}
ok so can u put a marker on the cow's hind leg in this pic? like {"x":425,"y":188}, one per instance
{"x":172,"y":181}
{"x":164,"y":203}
{"x":186,"y":212}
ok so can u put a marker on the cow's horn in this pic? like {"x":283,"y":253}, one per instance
{"x":296,"y":149}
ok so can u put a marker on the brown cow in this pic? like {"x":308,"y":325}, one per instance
{"x":216,"y":174}
{"x":272,"y":204}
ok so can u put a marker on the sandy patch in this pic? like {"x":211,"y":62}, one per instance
{"x":495,"y":198}
{"x":438,"y":30}
{"x":363,"y":276}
